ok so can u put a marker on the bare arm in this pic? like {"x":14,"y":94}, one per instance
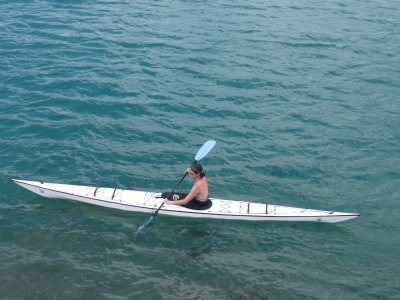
{"x":193,"y":192}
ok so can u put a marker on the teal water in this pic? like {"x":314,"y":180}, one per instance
{"x":301,"y":97}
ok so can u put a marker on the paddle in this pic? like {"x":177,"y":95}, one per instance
{"x":203,"y":151}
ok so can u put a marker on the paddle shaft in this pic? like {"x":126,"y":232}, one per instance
{"x":173,"y":190}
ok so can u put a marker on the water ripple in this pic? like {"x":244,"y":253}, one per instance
{"x":301,"y":98}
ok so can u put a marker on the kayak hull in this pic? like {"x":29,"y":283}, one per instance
{"x":148,"y":202}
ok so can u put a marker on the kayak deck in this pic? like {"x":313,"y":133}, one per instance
{"x":142,"y":201}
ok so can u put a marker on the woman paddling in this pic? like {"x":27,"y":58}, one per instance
{"x":199,"y":192}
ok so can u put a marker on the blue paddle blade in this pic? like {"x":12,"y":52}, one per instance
{"x":205,"y":149}
{"x":200,"y":154}
{"x":143,"y":226}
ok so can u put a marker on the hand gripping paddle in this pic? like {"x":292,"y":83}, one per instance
{"x":203,"y":151}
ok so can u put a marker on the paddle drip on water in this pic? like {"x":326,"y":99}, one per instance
{"x":200,"y":154}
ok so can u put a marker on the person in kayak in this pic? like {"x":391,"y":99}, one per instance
{"x":199,"y":192}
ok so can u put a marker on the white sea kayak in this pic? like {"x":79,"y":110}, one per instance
{"x":141,"y":201}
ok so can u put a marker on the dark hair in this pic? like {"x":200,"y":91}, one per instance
{"x":198,"y":169}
